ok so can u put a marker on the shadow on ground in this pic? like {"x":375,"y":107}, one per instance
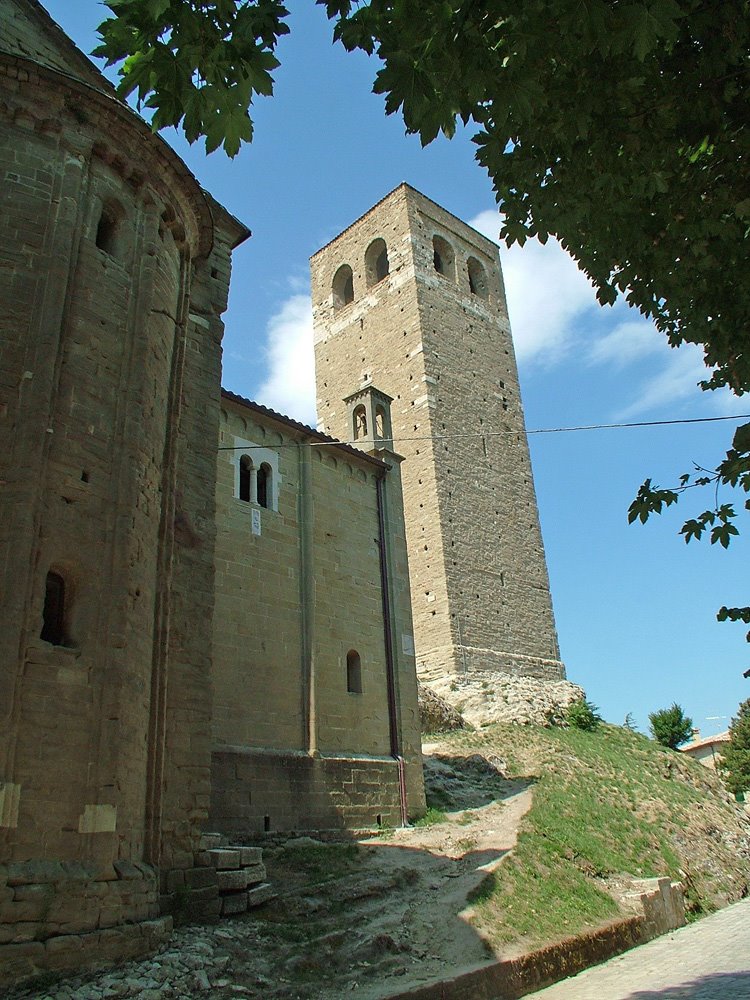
{"x":718,"y":986}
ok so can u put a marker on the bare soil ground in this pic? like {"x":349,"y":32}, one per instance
{"x":398,"y":908}
{"x":373,"y":917}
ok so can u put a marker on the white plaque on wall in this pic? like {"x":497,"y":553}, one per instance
{"x":255,"y":521}
{"x":407,"y":644}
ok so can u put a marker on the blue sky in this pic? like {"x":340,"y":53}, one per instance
{"x":635,"y":606}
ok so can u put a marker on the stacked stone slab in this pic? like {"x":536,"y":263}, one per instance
{"x":225,"y":880}
{"x":240,"y":874}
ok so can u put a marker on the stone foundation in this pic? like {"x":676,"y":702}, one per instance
{"x":256,"y":792}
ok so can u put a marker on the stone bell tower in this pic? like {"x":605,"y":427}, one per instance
{"x":411,"y":299}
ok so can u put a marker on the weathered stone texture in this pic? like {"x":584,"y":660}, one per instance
{"x":444,"y":353}
{"x":114,"y":270}
{"x":300,"y":792}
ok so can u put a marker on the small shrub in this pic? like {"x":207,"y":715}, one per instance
{"x":431,"y":817}
{"x":582,"y":714}
{"x":670,"y":726}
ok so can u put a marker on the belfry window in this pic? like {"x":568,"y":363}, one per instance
{"x":343,"y":287}
{"x":353,"y":672}
{"x":443,"y":258}
{"x":477,"y":278}
{"x":246,"y":468}
{"x":376,"y":262}
{"x":264,"y":485}
{"x":53,"y":613}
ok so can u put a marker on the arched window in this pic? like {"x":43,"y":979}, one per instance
{"x":360,"y":422}
{"x":265,"y":474}
{"x":108,"y":229}
{"x":343,"y":287}
{"x":443,"y":257}
{"x":53,"y":613}
{"x":376,"y":262}
{"x":246,"y":468}
{"x":477,"y":278}
{"x":353,"y":672}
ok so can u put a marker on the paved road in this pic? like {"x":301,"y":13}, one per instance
{"x":709,"y":960}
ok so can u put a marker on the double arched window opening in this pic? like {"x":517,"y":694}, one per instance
{"x":255,"y":485}
{"x":377,"y":267}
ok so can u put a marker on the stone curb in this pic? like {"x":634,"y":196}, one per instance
{"x":513,"y":978}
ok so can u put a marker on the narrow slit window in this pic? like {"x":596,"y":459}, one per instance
{"x":353,"y":672}
{"x":53,"y":613}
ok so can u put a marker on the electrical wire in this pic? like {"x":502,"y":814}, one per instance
{"x":509,"y":430}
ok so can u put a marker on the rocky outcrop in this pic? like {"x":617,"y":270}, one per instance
{"x":487,"y":696}
{"x":435,"y":714}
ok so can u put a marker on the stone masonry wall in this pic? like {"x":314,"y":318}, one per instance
{"x":480,"y":593}
{"x":113,"y":277}
{"x":298,"y":588}
{"x":257,"y":792}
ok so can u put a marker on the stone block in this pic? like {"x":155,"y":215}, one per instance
{"x":255,"y":873}
{"x":232,"y":903}
{"x":127,"y":870}
{"x":250,"y":855}
{"x":16,"y":933}
{"x":223,"y":858}
{"x":100,"y":818}
{"x":175,"y":879}
{"x":34,"y":872}
{"x":260,"y":894}
{"x":204,"y":893}
{"x":232,"y":880}
{"x":210,"y":841}
{"x":30,"y":902}
{"x":18,"y":961}
{"x":198,"y":878}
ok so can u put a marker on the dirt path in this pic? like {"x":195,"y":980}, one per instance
{"x":369,"y":918}
{"x":404,"y":903}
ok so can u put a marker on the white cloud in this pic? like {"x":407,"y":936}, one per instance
{"x":547,"y":294}
{"x":676,"y":381}
{"x":290,"y":385}
{"x":627,"y":342}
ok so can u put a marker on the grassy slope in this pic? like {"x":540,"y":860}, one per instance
{"x":606,"y":804}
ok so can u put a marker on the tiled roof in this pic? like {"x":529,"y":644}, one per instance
{"x":707,"y":741}
{"x":302,"y":428}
